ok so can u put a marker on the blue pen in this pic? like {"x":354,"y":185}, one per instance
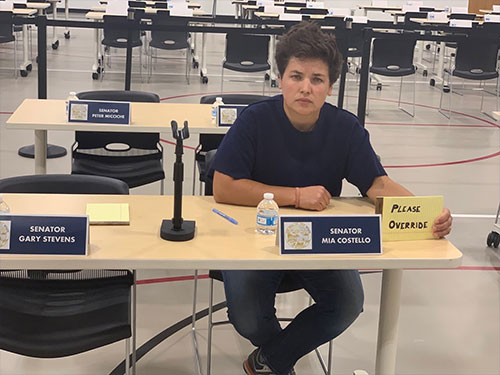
{"x":228,"y":218}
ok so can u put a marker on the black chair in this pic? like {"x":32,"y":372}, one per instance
{"x":476,"y":59}
{"x":312,"y":11}
{"x":135,"y":158}
{"x":169,"y":40}
{"x":393,"y":57}
{"x":116,"y":35}
{"x":51,"y":313}
{"x":462,"y":16}
{"x":287,"y":285}
{"x":211,"y":141}
{"x":63,"y":184}
{"x":246,"y":53}
{"x":7,"y":34}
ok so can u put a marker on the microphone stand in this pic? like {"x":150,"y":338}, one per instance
{"x":178,"y":229}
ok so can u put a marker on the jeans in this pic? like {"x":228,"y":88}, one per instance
{"x":250,"y":295}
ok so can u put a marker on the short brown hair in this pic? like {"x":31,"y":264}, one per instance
{"x":305,"y":40}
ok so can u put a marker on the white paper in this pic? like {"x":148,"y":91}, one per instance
{"x":316,"y":4}
{"x":379,"y":3}
{"x":290,"y":17}
{"x":461,"y":23}
{"x":345,"y":12}
{"x":415,"y":3}
{"x":264,"y":3}
{"x":492,"y":18}
{"x":496,"y":8}
{"x":274,"y":9}
{"x":437,"y":16}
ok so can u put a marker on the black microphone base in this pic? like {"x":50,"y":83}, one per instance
{"x":186,"y":232}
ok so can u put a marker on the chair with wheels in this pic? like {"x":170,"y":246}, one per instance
{"x":116,"y":35}
{"x":475,"y":59}
{"x":211,"y":141}
{"x":135,"y":158}
{"x":246,"y":53}
{"x":169,"y":40}
{"x":58,"y":313}
{"x":7,"y":34}
{"x":288,"y":284}
{"x":393,"y":57}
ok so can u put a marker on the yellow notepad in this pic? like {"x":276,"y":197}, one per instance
{"x":108,"y":213}
{"x":408,"y":218}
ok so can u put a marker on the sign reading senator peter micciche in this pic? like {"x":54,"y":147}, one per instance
{"x":48,"y":235}
{"x":99,"y":112}
{"x":327,"y":234}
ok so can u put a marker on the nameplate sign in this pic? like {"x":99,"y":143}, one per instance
{"x":408,"y":218}
{"x":44,"y":235}
{"x":330,"y":234}
{"x":228,"y":113}
{"x":94,"y":111}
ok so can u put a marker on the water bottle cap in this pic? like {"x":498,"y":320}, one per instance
{"x":268,"y":196}
{"x":72,"y":93}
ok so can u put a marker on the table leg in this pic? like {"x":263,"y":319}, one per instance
{"x":420,"y":57}
{"x":40,"y":151}
{"x":388,"y":322}
{"x":96,"y":67}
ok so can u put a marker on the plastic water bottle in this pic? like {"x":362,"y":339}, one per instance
{"x":267,"y":215}
{"x":72,"y":96}
{"x":4,"y":208}
{"x":218,"y":102}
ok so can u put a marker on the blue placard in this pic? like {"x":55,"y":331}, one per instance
{"x":99,"y":112}
{"x":330,"y":234}
{"x":47,"y":235}
{"x":228,"y":113}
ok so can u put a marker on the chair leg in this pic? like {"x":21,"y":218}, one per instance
{"x":448,"y":116}
{"x":162,"y":187}
{"x":400,"y":94}
{"x":330,"y":358}
{"x":193,"y":324}
{"x":15,"y":58}
{"x":134,"y":322}
{"x":210,"y":326}
{"x":222,"y":81}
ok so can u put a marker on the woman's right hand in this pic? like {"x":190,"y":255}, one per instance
{"x":315,"y":198}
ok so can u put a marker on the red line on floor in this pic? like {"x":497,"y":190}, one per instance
{"x":445,"y":163}
{"x":170,"y":279}
{"x":173,"y":143}
{"x":433,"y":125}
{"x":6,"y":113}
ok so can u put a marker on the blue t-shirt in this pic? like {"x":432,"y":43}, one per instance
{"x":262,"y":145}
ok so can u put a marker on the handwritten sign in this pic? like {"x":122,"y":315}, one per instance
{"x":408,"y":218}
{"x":328,"y":234}
{"x":47,"y":235}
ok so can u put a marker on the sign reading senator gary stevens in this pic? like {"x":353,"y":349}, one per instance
{"x":44,"y":235}
{"x":330,"y":234}
{"x":99,"y":112}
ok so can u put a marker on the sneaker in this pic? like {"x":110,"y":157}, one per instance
{"x":255,"y":365}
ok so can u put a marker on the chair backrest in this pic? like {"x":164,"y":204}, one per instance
{"x":117,"y":145}
{"x":462,"y":16}
{"x":137,"y":4}
{"x":477,"y":54}
{"x":120,"y":96}
{"x":116,"y":31}
{"x":393,"y":52}
{"x":306,"y":11}
{"x":233,"y":98}
{"x":6,"y":26}
{"x":63,"y":184}
{"x":170,"y":40}
{"x":247,"y":48}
